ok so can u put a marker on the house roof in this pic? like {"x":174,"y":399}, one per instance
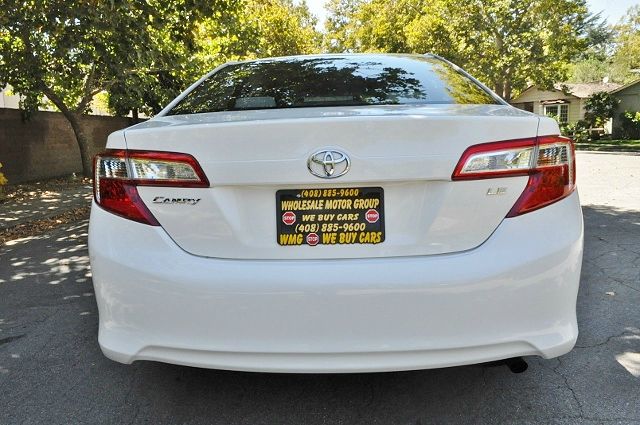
{"x":633,"y":83}
{"x":580,"y":90}
{"x":584,"y":90}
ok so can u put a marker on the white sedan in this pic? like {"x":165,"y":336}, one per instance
{"x":336,"y":213}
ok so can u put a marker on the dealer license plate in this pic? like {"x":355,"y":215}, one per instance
{"x":335,"y":216}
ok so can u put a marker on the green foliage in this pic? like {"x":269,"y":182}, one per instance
{"x":507,"y":44}
{"x":258,"y":28}
{"x":251,"y":29}
{"x":627,"y":54}
{"x":589,"y":70}
{"x":599,"y":38}
{"x":599,"y":108}
{"x":142,"y":53}
{"x":578,"y":131}
{"x":593,"y":64}
{"x":69,"y":51}
{"x":339,"y":25}
{"x":613,"y":52}
{"x":381,"y":25}
{"x":3,"y":179}
{"x":629,"y":125}
{"x":282,"y":28}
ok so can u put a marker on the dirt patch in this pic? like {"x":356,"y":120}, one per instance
{"x":37,"y":227}
{"x":41,"y":189}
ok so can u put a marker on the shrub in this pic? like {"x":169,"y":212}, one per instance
{"x":3,"y":181}
{"x":630,"y":125}
{"x":599,"y":108}
{"x":578,"y":131}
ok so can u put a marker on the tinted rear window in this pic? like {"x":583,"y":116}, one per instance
{"x":332,"y":81}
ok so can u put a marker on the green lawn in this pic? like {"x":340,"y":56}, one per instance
{"x":610,"y":146}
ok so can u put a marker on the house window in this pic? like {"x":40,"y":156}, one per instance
{"x":559,"y":112}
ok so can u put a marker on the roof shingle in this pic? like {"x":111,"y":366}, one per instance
{"x":584,"y":90}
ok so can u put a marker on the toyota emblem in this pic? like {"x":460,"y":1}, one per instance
{"x":329,"y":164}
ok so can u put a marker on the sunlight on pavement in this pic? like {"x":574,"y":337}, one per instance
{"x":631,"y":362}
{"x":22,"y":240}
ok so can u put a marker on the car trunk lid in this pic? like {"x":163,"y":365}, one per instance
{"x":409,"y":152}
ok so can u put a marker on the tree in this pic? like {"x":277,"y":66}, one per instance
{"x":599,"y":38}
{"x":613,"y":52}
{"x":150,"y":91}
{"x":590,"y":70}
{"x":251,"y":29}
{"x":593,"y":64}
{"x":261,"y":28}
{"x":626,"y":60}
{"x":507,"y":43}
{"x":69,"y":51}
{"x":3,"y":181}
{"x":629,"y":127}
{"x":339,"y":25}
{"x":283,"y":27}
{"x":599,"y":108}
{"x":381,"y":25}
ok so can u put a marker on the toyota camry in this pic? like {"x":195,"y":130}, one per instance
{"x":336,"y":213}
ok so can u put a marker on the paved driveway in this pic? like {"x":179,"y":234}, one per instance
{"x":51,"y":370}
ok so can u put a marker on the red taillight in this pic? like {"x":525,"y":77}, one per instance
{"x":121,"y":197}
{"x":549,"y":161}
{"x":117,"y":173}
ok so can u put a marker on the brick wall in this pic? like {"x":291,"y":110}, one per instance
{"x":44,"y":146}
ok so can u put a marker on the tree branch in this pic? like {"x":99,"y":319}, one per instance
{"x":87,"y":90}
{"x":54,"y":98}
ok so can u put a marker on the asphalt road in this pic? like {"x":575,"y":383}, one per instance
{"x":52,"y":371}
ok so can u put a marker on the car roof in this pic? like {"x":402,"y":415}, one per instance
{"x":360,"y":56}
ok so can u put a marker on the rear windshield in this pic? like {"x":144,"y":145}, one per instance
{"x":332,"y":81}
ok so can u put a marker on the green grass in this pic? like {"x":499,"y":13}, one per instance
{"x":610,"y":146}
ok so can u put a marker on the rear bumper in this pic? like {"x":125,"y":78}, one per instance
{"x":515,"y":295}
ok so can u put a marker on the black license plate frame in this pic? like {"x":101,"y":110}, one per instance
{"x":330,"y":216}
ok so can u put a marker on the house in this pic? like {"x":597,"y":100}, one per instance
{"x":566,"y":100}
{"x":629,"y":97}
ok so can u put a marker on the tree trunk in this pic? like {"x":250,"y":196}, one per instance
{"x":499,"y":88}
{"x":507,"y":84}
{"x":83,"y":141}
{"x":507,"y":91}
{"x":75,"y":119}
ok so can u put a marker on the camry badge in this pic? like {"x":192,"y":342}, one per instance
{"x":329,"y":164}
{"x":173,"y":201}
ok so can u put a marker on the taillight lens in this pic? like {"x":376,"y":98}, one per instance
{"x":489,"y":160}
{"x":549,"y":161}
{"x":117,"y":173}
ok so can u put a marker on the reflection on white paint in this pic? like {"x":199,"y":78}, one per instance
{"x":631,"y":362}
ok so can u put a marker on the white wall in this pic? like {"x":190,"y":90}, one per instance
{"x":8,"y":100}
